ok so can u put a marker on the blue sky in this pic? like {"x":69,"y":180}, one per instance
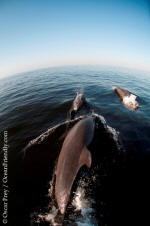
{"x":42,"y":33}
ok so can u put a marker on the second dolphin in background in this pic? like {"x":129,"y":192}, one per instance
{"x":127,"y":98}
{"x":76,"y":105}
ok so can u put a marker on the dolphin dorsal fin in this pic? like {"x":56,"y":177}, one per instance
{"x":85,"y":158}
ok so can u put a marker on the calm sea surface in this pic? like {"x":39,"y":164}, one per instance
{"x":32,"y":102}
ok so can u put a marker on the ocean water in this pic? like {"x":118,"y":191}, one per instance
{"x":33,"y":102}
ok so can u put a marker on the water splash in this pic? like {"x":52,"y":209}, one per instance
{"x":79,"y":201}
{"x":130,"y":102}
{"x":50,"y":217}
{"x":84,"y":204}
{"x":114,"y":133}
{"x":114,"y":87}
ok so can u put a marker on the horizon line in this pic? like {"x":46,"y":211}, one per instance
{"x":74,"y":65}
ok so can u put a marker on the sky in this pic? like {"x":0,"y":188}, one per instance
{"x":42,"y":33}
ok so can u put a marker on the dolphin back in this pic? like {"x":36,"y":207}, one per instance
{"x":121,"y":92}
{"x":70,"y":163}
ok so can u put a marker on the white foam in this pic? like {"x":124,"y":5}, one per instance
{"x":113,"y":87}
{"x":113,"y":132}
{"x":79,"y":201}
{"x":102,"y":119}
{"x":50,"y":217}
{"x":83,"y":204}
{"x":130,"y":102}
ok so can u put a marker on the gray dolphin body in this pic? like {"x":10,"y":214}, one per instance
{"x":74,"y":154}
{"x":122,"y":93}
{"x":78,"y":101}
{"x":76,"y":105}
{"x":127,"y":98}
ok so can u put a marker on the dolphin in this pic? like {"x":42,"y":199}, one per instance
{"x":74,"y":154}
{"x":128,"y":99}
{"x":77,"y":103}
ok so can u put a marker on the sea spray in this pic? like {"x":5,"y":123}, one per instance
{"x":83,"y":203}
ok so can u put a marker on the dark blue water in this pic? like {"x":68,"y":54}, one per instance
{"x":32,"y":102}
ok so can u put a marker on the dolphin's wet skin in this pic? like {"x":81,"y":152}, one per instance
{"x":73,"y":155}
{"x":36,"y":180}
